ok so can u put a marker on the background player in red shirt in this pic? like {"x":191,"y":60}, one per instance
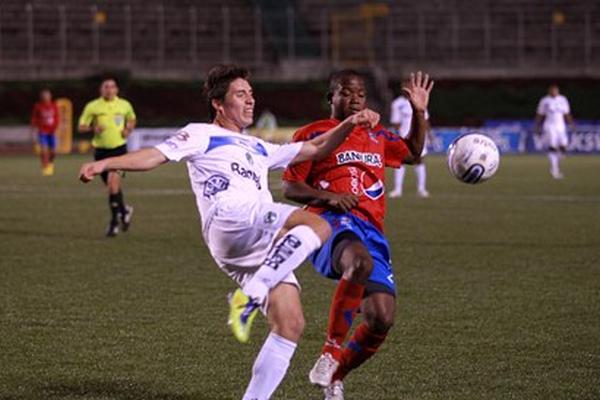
{"x":347,"y":189}
{"x":45,"y":118}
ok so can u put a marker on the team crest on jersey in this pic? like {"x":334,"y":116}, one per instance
{"x":373,"y":137}
{"x":270,"y":217}
{"x":214,"y":185}
{"x":351,"y":156}
{"x":182,"y":136}
{"x":249,"y":158}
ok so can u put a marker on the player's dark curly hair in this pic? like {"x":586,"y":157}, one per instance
{"x":336,"y":78}
{"x":217,"y":83}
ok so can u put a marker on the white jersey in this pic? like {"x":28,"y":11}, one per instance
{"x":554,"y":109}
{"x":226,"y":166}
{"x":401,"y":114}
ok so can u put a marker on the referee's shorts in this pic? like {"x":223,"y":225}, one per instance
{"x":100,"y":154}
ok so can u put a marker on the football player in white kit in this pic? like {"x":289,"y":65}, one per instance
{"x":255,"y":241}
{"x":401,"y":120}
{"x":554,"y":110}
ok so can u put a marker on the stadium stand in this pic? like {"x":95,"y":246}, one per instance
{"x":177,"y":39}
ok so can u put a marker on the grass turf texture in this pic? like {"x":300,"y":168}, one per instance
{"x":499,"y":291}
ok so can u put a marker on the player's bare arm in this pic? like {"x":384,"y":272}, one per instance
{"x":142,"y":160}
{"x":84,"y":128}
{"x":321,"y":146}
{"x":417,"y":90}
{"x":95,"y":128}
{"x":303,"y":193}
{"x":129,"y":126}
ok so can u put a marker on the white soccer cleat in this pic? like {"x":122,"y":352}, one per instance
{"x":395,"y":194}
{"x":557,"y":174}
{"x":323,"y":370}
{"x":424,"y":194}
{"x":335,"y":391}
{"x":126,"y":218}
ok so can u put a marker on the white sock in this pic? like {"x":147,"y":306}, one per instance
{"x":554,"y":159}
{"x":421,"y":174}
{"x":399,"y":179}
{"x":270,"y":367}
{"x":285,"y":256}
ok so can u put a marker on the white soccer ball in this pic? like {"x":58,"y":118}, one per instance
{"x":473,"y":158}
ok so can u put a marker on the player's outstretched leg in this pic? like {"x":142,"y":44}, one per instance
{"x":287,"y":324}
{"x":379,"y":309}
{"x":351,"y":258}
{"x":303,"y":233}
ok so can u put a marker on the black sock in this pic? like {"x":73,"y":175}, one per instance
{"x":121,"y":203}
{"x":113,"y":203}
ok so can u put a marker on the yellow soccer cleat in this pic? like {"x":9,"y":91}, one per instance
{"x":242,"y":311}
{"x":48,"y":170}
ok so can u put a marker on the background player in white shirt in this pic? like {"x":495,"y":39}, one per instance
{"x":255,"y":241}
{"x":401,"y":120}
{"x":554,"y":110}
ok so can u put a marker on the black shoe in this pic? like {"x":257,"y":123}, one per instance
{"x":126,"y":218}
{"x":113,"y":229}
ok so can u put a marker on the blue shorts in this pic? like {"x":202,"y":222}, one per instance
{"x":382,"y":277}
{"x":47,"y":140}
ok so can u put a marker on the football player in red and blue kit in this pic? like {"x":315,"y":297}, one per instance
{"x":347,"y":189}
{"x":45,"y":119}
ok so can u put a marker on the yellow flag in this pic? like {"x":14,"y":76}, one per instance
{"x":64,"y":132}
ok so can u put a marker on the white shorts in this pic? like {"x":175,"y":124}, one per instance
{"x":240,"y":235}
{"x":555,"y":137}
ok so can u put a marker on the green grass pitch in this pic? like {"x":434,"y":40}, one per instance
{"x":499,"y":291}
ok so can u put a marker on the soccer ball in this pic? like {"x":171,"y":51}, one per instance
{"x":473,"y":158}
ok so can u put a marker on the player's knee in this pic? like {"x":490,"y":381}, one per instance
{"x":291,"y":327}
{"x":379,"y":322}
{"x":359,"y":269}
{"x":321,"y":228}
{"x":356,"y":263}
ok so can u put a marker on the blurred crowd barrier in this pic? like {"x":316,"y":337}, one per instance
{"x":518,"y":136}
{"x":511,"y":136}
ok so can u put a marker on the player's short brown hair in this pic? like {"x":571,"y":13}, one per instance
{"x":336,"y":78}
{"x":217,"y":83}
